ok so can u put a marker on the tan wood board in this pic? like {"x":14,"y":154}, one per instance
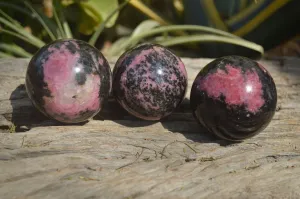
{"x":118,"y":156}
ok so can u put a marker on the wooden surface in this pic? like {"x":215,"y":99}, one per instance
{"x":118,"y":156}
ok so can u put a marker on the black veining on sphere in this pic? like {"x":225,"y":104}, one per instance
{"x":234,"y":123}
{"x":35,"y":80}
{"x":167,"y":100}
{"x":85,"y":114}
{"x":105,"y":75}
{"x":80,"y":78}
{"x":71,"y":46}
{"x":87,"y":62}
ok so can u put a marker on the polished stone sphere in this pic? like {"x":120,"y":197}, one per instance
{"x":68,"y":80}
{"x":234,"y":97}
{"x":149,"y":81}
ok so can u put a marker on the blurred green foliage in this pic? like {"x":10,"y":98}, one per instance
{"x":95,"y":12}
{"x":28,"y":25}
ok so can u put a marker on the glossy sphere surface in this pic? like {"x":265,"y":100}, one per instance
{"x":149,"y":81}
{"x":234,"y":97}
{"x":68,"y":80}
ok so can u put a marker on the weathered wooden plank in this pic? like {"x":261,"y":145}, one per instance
{"x":118,"y":156}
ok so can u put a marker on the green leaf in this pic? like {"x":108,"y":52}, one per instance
{"x":114,"y":48}
{"x":136,"y":38}
{"x":101,"y":27}
{"x":95,"y":12}
{"x":144,"y":27}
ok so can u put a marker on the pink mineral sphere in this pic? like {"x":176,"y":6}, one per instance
{"x":234,"y":97}
{"x":149,"y":81}
{"x":68,"y":80}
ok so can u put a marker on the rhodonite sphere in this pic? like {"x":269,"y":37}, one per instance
{"x":234,"y":97}
{"x":149,"y":81}
{"x":68,"y":80}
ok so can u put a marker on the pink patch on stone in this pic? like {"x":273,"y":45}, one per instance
{"x":140,"y":58}
{"x":100,"y":61}
{"x":173,"y":77}
{"x":59,"y":74}
{"x":236,"y":87}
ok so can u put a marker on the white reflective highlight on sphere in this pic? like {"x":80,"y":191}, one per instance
{"x":248,"y":88}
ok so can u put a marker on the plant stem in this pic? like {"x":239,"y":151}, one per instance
{"x":170,"y":28}
{"x":65,"y":25}
{"x":13,"y":6}
{"x":212,"y":38}
{"x":133,"y":40}
{"x":34,"y":43}
{"x":17,"y":50}
{"x":22,"y":31}
{"x":39,"y":18}
{"x":9,"y":18}
{"x":147,"y":11}
{"x":58,"y":22}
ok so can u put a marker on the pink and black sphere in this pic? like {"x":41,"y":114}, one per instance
{"x":149,"y":81}
{"x":234,"y":97}
{"x":68,"y":80}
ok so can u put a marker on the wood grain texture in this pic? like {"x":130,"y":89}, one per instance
{"x":118,"y":156}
